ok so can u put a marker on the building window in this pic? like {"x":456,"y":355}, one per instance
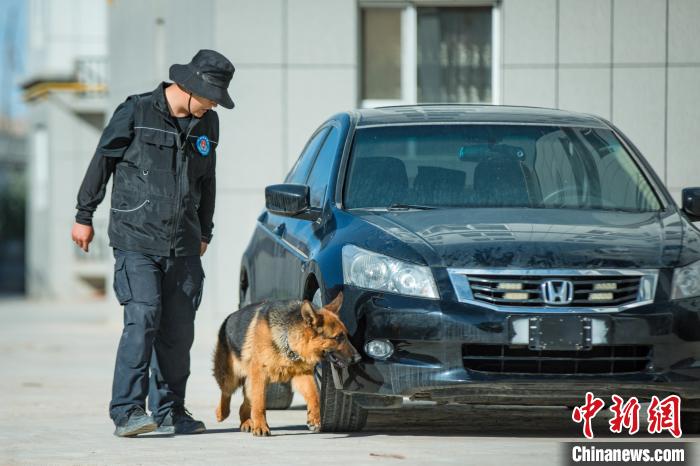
{"x":429,"y":54}
{"x":381,"y":60}
{"x":454,"y":55}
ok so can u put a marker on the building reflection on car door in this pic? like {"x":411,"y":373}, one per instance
{"x":302,"y":238}
{"x":264,"y":271}
{"x":271,"y":265}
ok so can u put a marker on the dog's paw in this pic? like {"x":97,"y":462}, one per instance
{"x":222,"y":414}
{"x":261,"y":431}
{"x":247,"y":426}
{"x":314,"y":427}
{"x":313,"y":420}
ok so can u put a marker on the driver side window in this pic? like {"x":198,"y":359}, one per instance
{"x":320,"y":174}
{"x":301,"y":168}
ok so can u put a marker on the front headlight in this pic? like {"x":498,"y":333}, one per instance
{"x":686,"y":281}
{"x":367,"y":269}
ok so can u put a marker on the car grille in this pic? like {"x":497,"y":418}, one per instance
{"x":522,"y":360}
{"x":526,"y":290}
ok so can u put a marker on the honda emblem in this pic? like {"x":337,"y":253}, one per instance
{"x":557,"y":292}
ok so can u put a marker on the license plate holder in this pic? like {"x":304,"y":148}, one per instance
{"x":560,"y":333}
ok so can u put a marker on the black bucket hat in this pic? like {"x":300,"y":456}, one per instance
{"x":207,"y":75}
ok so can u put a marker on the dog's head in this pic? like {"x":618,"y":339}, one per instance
{"x":327,"y":337}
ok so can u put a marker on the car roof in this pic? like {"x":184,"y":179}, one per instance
{"x":466,"y":113}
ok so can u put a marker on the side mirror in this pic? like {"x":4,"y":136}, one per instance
{"x":290,"y":200}
{"x":691,"y":203}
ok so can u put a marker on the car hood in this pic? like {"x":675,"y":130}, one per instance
{"x":536,"y":238}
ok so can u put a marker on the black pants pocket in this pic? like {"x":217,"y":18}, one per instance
{"x":122,"y":288}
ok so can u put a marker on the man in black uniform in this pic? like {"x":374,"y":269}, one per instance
{"x":161,"y":148}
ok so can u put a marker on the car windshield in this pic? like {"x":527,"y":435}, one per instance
{"x":493,"y":165}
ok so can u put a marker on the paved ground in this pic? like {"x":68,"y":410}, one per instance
{"x":57,"y":361}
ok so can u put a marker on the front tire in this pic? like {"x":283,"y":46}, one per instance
{"x":339,"y":413}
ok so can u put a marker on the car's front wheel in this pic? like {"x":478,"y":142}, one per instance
{"x":339,"y":413}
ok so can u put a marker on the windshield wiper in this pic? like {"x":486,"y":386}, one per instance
{"x":620,"y":209}
{"x":410,"y":206}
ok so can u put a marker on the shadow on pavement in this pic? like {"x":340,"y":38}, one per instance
{"x":276,"y":431}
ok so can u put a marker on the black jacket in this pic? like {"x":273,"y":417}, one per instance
{"x":164,"y":180}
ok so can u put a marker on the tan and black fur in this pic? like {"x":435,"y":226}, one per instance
{"x":277,"y":342}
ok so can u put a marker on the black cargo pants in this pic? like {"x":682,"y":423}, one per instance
{"x":160,"y":297}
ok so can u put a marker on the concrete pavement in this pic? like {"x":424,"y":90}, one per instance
{"x":57,"y":361}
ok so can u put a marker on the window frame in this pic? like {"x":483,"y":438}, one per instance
{"x":332,"y":126}
{"x":313,"y":156}
{"x":409,"y":49}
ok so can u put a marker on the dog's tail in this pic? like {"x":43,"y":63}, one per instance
{"x":222,"y":361}
{"x":223,"y":373}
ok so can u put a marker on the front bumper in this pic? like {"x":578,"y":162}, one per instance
{"x":431,"y":337}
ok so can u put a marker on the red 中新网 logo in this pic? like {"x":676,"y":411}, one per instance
{"x":662,"y":415}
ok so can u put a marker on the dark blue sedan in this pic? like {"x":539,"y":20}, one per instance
{"x":487,"y":255}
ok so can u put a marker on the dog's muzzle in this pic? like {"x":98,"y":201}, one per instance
{"x":341,"y":361}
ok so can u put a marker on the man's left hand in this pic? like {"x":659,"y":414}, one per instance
{"x":203,"y":248}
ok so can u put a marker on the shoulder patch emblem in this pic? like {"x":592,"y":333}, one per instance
{"x":203,"y":145}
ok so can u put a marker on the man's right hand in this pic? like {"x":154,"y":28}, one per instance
{"x":82,"y":235}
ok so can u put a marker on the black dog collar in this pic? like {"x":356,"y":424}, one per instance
{"x":287,"y":350}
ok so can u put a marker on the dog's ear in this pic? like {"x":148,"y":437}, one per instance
{"x":334,"y":306}
{"x":311,"y":317}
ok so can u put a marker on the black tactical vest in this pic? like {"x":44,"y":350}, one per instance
{"x":163,"y":190}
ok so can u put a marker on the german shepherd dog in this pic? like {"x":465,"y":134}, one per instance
{"x":274,"y":342}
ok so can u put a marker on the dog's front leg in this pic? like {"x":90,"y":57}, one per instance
{"x":305,"y":385}
{"x":255,"y":388}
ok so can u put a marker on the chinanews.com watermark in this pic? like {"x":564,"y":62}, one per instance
{"x":662,"y":416}
{"x":619,"y":453}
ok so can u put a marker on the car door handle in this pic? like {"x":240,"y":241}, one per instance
{"x":279,"y":229}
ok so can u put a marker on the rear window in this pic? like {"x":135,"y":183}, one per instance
{"x":494,"y":166}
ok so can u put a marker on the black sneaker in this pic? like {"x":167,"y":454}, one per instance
{"x":179,"y":421}
{"x":136,"y":422}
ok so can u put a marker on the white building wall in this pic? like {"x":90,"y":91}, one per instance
{"x":58,"y":145}
{"x":61,"y":142}
{"x":61,"y":31}
{"x":635,"y":62}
